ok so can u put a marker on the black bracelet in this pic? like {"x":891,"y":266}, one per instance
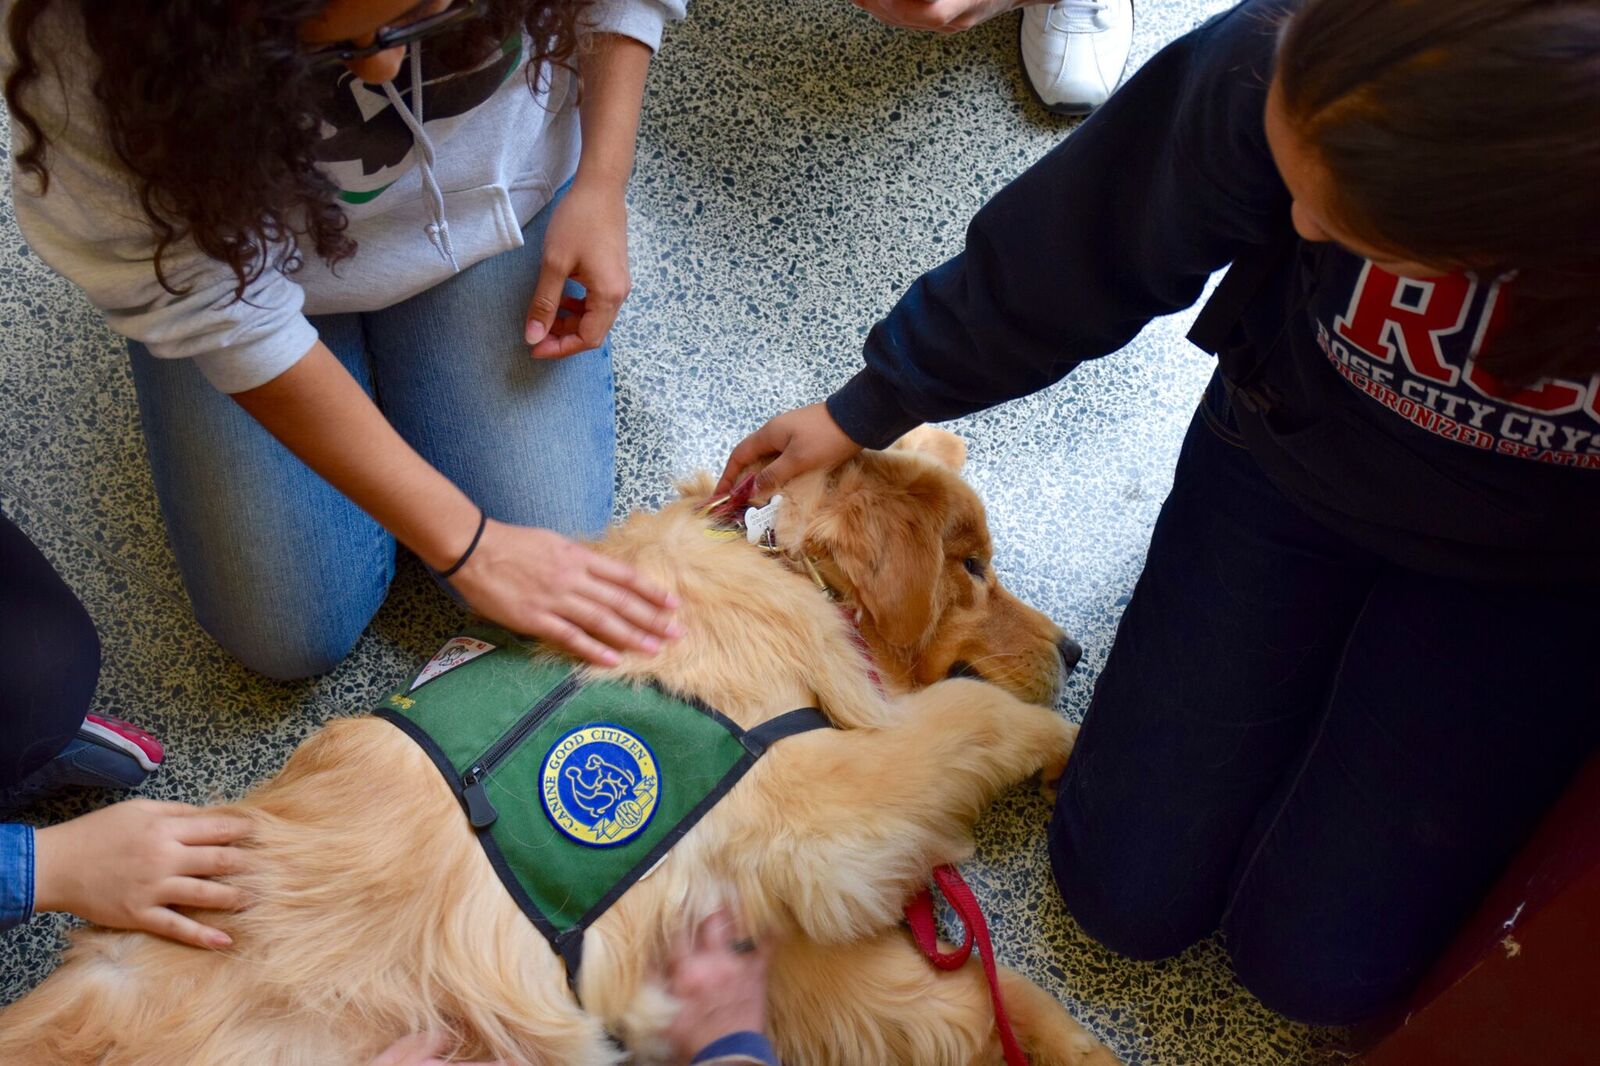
{"x":483,"y":520}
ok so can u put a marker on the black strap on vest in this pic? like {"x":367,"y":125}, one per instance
{"x":1213,"y":328}
{"x":801,"y":720}
{"x":569,"y":946}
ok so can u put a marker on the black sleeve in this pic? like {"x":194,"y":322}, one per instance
{"x":1122,"y":222}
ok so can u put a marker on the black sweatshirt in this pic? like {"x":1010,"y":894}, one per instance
{"x":1360,"y":400}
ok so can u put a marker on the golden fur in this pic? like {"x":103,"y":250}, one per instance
{"x":376,"y":914}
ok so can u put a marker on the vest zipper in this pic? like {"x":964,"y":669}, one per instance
{"x":480,"y":812}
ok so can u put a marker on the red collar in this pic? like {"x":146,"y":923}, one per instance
{"x":728,"y":511}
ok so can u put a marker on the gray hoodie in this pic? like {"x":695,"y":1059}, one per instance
{"x":437,"y":172}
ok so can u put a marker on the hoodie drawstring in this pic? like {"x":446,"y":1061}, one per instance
{"x":438,"y":230}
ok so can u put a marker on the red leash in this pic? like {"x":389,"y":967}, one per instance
{"x":919,"y":916}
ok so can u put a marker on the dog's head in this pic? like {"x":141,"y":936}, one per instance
{"x":905,"y":543}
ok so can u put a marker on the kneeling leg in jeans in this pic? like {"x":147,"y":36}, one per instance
{"x":52,"y":660}
{"x":1325,"y":756}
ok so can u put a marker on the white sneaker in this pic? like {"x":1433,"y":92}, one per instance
{"x":1074,"y":52}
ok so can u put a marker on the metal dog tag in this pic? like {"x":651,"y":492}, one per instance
{"x":761,"y":523}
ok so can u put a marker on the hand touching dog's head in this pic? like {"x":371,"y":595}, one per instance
{"x":905,"y":542}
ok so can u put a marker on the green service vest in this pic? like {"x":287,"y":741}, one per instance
{"x":576,"y":788}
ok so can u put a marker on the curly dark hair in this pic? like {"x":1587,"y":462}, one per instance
{"x":213,"y":106}
{"x":1463,"y":132}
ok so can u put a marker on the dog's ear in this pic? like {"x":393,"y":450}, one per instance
{"x":885,"y":536}
{"x":940,"y":445}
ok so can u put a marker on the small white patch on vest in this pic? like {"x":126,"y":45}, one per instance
{"x":457,"y":651}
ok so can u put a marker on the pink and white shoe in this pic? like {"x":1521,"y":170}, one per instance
{"x":136,"y":743}
{"x":104,"y":753}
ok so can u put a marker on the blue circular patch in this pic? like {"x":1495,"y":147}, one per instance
{"x":600,"y":785}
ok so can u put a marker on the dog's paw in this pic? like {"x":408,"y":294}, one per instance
{"x":1056,"y":765}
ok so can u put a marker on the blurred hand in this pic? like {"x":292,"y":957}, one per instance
{"x":721,"y":990}
{"x":940,"y":16}
{"x":587,"y":241}
{"x":539,"y":583}
{"x":423,"y":1049}
{"x":126,"y":866}
{"x":806,"y":438}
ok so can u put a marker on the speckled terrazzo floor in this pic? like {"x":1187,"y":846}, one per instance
{"x":798,"y":165}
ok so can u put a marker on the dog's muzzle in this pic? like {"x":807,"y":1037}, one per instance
{"x":1068,"y":652}
{"x":1071,"y":651}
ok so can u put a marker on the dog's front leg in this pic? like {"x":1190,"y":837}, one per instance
{"x":859,"y":816}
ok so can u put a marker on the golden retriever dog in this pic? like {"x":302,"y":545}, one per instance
{"x":375,"y":913}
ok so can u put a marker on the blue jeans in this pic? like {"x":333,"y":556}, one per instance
{"x":284,"y":571}
{"x":1328,"y":757}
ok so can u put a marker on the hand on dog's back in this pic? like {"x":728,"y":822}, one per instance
{"x":540,"y":584}
{"x":133,"y":864}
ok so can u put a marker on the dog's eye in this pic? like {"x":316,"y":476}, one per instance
{"x":974,"y":566}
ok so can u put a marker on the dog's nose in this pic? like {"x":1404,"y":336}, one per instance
{"x":1071,"y":651}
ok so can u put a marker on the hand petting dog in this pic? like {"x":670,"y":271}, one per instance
{"x":804,"y":439}
{"x":128,"y":865}
{"x":719,"y":977}
{"x":537,"y":582}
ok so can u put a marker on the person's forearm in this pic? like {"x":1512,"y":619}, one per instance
{"x":1072,"y":258}
{"x":323,"y":416}
{"x":613,"y":69}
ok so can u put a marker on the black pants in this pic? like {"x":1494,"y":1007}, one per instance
{"x":51,"y":659}
{"x":1326,"y":756}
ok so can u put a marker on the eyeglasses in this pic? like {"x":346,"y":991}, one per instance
{"x":388,"y":37}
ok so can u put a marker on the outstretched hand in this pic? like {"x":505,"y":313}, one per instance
{"x":804,"y":439}
{"x":587,"y":241}
{"x":940,"y":16}
{"x":539,"y":583}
